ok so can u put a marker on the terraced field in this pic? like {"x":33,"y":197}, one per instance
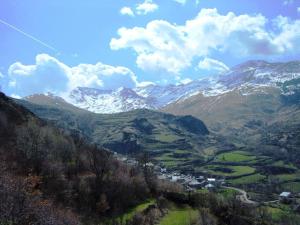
{"x":180,"y":216}
{"x":131,"y":212}
{"x":255,"y":178}
{"x":229,"y":171}
{"x":241,"y":168}
{"x":235,"y":156}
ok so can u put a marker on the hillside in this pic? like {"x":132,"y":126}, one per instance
{"x":171,"y":140}
{"x":261,"y":106}
{"x":97,"y":189}
{"x":49,"y":178}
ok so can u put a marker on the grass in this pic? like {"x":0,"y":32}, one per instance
{"x":276,"y":213}
{"x":235,"y":156}
{"x":292,"y":187}
{"x":255,"y":178}
{"x":168,"y":160}
{"x":179,"y":216}
{"x":227,"y":193}
{"x":287,"y":177}
{"x":284,"y":164}
{"x":139,"y":208}
{"x":166,"y":137}
{"x":202,"y":191}
{"x":235,"y":170}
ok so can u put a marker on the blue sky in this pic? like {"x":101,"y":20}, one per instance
{"x":57,"y":45}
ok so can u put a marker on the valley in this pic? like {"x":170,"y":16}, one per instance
{"x":241,"y":143}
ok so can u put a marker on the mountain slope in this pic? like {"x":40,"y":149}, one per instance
{"x":260,"y":109}
{"x":251,"y":74}
{"x":108,"y":101}
{"x":163,"y":136}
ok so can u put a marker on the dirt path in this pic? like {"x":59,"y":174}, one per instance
{"x":243,"y":197}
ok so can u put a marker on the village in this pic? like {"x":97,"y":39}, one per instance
{"x":189,"y":182}
{"x":193,"y":183}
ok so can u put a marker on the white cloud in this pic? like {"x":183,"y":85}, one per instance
{"x":212,"y":64}
{"x":1,"y":75}
{"x":146,"y":7}
{"x":172,"y":47}
{"x":127,"y":11}
{"x":50,"y":75}
{"x":181,"y":1}
{"x":298,"y":9}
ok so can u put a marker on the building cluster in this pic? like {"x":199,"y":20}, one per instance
{"x":190,"y":182}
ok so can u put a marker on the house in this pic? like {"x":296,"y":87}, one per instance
{"x":195,"y":184}
{"x":285,"y":197}
{"x":200,"y":178}
{"x":175,"y":178}
{"x":163,"y":170}
{"x":211,"y":180}
{"x":210,"y":187}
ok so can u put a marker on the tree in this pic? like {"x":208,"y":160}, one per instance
{"x":31,"y":142}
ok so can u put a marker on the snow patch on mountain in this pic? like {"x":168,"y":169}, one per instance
{"x":247,"y":78}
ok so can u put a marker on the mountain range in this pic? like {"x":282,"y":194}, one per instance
{"x":254,"y":105}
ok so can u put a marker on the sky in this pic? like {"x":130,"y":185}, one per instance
{"x":58,"y":45}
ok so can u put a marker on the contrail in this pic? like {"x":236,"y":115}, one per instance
{"x":29,"y":36}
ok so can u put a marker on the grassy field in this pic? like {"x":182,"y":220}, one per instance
{"x":168,"y":160}
{"x":281,"y":211}
{"x":180,"y":216}
{"x":276,"y":213}
{"x":235,"y":156}
{"x":284,"y":164}
{"x":227,"y":193}
{"x":255,"y":178}
{"x":292,"y":187}
{"x":229,"y":171}
{"x":166,"y":137}
{"x":139,"y":208}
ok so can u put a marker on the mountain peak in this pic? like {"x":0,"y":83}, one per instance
{"x":253,"y":73}
{"x":251,"y":64}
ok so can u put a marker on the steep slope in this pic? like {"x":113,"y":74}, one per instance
{"x":251,"y":74}
{"x":108,"y":101}
{"x":260,"y":105}
{"x":164,"y":136}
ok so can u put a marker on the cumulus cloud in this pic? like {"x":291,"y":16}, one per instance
{"x":50,"y":75}
{"x":172,"y":47}
{"x":127,"y":11}
{"x":146,"y":7}
{"x":212,"y":64}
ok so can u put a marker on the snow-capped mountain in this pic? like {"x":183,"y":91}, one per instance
{"x":108,"y":101}
{"x":257,"y":73}
{"x":247,"y":78}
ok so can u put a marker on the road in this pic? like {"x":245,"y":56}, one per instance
{"x":243,"y":197}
